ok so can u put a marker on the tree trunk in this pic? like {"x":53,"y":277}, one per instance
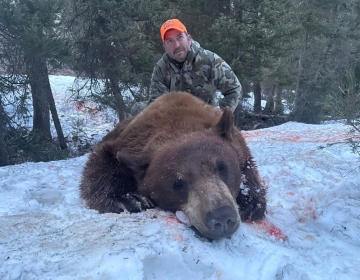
{"x":278,"y":106}
{"x":40,"y":88}
{"x":269,"y":107}
{"x":257,"y":97}
{"x":3,"y":150}
{"x":246,"y":89}
{"x":43,"y":99}
{"x":4,"y":155}
{"x":120,"y":107}
{"x":116,"y":91}
{"x":55,"y":117}
{"x":305,"y":109}
{"x":238,"y":115}
{"x":299,"y":99}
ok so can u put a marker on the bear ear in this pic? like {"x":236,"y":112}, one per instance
{"x":138,"y":164}
{"x":225,"y":126}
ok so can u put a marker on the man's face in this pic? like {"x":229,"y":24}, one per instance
{"x":177,"y":44}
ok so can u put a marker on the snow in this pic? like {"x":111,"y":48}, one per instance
{"x":312,"y":229}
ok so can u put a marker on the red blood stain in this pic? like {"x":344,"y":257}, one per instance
{"x":79,"y":105}
{"x":86,"y":106}
{"x":266,"y":227}
{"x":292,"y":139}
{"x":178,"y":237}
{"x":306,"y":209}
{"x":273,"y":230}
{"x":171,"y":220}
{"x":298,"y":136}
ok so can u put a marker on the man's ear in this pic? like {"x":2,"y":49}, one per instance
{"x":225,"y":126}
{"x":138,"y":164}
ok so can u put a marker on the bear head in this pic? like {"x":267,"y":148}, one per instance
{"x":199,"y":174}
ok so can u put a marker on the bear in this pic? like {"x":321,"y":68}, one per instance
{"x":182,"y":155}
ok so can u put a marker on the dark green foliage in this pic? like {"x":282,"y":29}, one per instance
{"x":34,"y":26}
{"x":113,"y":43}
{"x":31,"y":38}
{"x":344,"y":104}
{"x":24,"y":146}
{"x":11,"y":95}
{"x":292,"y":49}
{"x":17,"y":143}
{"x":328,"y":45}
{"x":293,"y":45}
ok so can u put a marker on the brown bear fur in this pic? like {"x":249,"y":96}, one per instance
{"x":179,"y":154}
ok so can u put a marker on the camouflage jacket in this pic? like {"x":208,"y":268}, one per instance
{"x":202,"y":74}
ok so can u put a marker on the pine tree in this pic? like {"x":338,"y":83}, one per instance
{"x":252,"y":36}
{"x":113,"y":44}
{"x":328,"y":46}
{"x":32,"y":28}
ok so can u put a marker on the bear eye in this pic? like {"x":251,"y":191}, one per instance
{"x":222,"y":170}
{"x":178,"y":184}
{"x":221,"y":166}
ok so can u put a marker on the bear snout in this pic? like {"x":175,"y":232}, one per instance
{"x":221,"y":222}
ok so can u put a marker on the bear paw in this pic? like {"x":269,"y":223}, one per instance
{"x":133,"y":202}
{"x":252,"y":212}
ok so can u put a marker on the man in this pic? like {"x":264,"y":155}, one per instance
{"x":185,"y":66}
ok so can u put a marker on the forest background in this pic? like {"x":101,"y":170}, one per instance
{"x":301,"y":53}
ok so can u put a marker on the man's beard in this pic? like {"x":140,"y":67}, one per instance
{"x":181,"y":59}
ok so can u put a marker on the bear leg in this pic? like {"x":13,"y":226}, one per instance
{"x":108,"y":184}
{"x":252,"y":196}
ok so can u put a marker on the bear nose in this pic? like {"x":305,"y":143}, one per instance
{"x":222,"y":221}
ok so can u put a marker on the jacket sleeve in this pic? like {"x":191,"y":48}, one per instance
{"x":157,"y":85}
{"x":226,"y":81}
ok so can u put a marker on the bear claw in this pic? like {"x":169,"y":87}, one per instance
{"x":133,"y":202}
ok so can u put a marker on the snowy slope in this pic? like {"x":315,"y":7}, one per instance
{"x":313,"y":201}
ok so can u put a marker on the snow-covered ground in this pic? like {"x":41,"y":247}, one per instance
{"x":313,"y":201}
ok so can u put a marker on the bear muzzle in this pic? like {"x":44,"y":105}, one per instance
{"x":221,"y":222}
